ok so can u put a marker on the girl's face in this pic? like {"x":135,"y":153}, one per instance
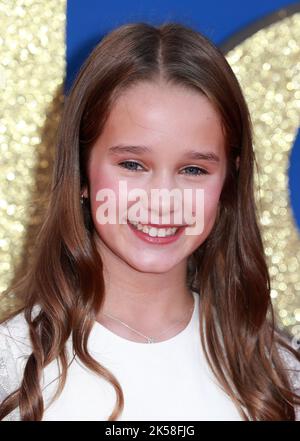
{"x":170,"y":121}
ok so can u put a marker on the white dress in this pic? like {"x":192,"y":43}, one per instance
{"x":164,"y":381}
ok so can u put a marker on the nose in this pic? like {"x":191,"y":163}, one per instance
{"x":164,"y":199}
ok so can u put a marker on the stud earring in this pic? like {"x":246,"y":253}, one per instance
{"x":81,"y":199}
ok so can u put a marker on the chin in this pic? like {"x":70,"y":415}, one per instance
{"x":158,"y":266}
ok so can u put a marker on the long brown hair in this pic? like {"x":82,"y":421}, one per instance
{"x":228,"y":270}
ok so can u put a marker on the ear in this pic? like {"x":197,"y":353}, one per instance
{"x":84,"y":192}
{"x":237,"y":162}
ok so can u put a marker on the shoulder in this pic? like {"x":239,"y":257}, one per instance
{"x":15,"y":337}
{"x":14,"y":342}
{"x":15,"y":347}
{"x":14,"y":333}
{"x":292,"y":366}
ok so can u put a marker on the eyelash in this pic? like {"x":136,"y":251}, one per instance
{"x":203,"y":171}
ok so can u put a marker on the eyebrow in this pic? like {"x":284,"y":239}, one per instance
{"x":138,"y":149}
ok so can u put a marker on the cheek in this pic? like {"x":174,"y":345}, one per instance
{"x":102,"y":182}
{"x":205,"y":210}
{"x":211,"y":200}
{"x":102,"y":179}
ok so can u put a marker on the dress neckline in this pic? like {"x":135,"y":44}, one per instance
{"x":98,"y":330}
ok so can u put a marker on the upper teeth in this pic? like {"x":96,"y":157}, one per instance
{"x":153,"y":231}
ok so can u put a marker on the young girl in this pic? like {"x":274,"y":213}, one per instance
{"x":139,"y":320}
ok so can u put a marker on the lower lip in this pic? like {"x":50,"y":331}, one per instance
{"x":157,"y":240}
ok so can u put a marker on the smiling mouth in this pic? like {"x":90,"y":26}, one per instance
{"x":155,"y":231}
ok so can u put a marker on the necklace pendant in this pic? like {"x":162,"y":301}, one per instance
{"x":150,"y":340}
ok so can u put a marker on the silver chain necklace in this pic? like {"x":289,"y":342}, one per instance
{"x":149,"y":339}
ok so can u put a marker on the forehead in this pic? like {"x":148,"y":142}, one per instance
{"x":160,"y":113}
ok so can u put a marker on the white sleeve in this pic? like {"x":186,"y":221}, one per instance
{"x":293,"y":370}
{"x":15,"y":348}
{"x":9,"y":378}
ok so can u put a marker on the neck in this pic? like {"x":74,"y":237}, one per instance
{"x":145,"y":301}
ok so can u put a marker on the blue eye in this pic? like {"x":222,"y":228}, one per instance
{"x":198,"y":169}
{"x":131,"y":163}
{"x":131,"y":166}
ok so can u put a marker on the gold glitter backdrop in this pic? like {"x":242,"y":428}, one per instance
{"x":267,"y":65}
{"x":32,"y":69}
